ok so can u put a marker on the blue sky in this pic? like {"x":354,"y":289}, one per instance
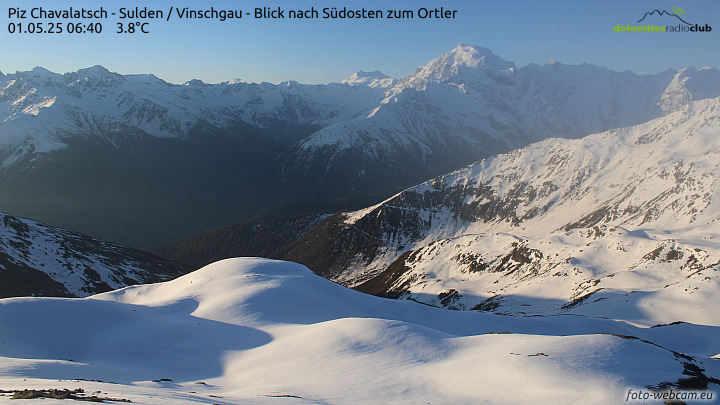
{"x":322,"y":51}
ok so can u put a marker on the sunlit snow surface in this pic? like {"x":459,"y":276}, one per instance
{"x":245,"y":331}
{"x":623,"y":224}
{"x":41,"y":110}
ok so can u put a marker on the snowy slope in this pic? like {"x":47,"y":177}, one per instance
{"x":36,"y":259}
{"x":261,"y":331}
{"x":624,"y":221}
{"x":41,"y":109}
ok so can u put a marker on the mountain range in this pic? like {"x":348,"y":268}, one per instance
{"x":603,"y":224}
{"x":137,"y":160}
{"x":555,"y":240}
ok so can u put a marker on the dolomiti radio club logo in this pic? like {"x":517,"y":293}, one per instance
{"x":664,"y":21}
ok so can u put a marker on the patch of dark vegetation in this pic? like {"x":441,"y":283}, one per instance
{"x":77,"y":395}
{"x":653,"y":254}
{"x":344,"y":204}
{"x":270,"y":238}
{"x":668,"y":324}
{"x":473,"y":261}
{"x":100,"y":381}
{"x":538,"y":355}
{"x":163,"y":380}
{"x":332,"y":246}
{"x":648,"y":138}
{"x":489,"y":304}
{"x":21,"y":229}
{"x":671,"y":254}
{"x":592,"y":219}
{"x":579,"y":300}
{"x":450,"y":299}
{"x":384,"y":284}
{"x":20,"y":280}
{"x":519,"y":256}
{"x":282,"y":396}
{"x":696,"y":380}
{"x":76,"y":253}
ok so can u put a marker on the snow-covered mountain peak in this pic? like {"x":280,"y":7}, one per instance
{"x":371,"y":79}
{"x":690,"y":84}
{"x":94,"y":71}
{"x":195,"y":83}
{"x":96,"y":75}
{"x":375,"y":74}
{"x":39,"y":70}
{"x":149,"y":80}
{"x":155,"y":107}
{"x":462,"y":63}
{"x":290,"y":83}
{"x":39,"y":75}
{"x":474,"y":56}
{"x":702,"y":83}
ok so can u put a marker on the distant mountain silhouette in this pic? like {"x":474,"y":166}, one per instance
{"x":663,"y":12}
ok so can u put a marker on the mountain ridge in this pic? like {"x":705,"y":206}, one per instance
{"x":647,"y":191}
{"x":39,"y":260}
{"x":638,"y":204}
{"x":231,"y":150}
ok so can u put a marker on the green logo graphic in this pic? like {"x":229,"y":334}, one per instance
{"x":678,"y":10}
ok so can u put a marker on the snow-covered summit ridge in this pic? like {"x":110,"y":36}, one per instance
{"x":370,"y":79}
{"x":690,"y":84}
{"x":461,"y":107}
{"x":469,"y":104}
{"x":455,"y":65}
{"x":157,"y":108}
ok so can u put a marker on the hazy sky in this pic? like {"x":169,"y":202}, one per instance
{"x":322,"y":50}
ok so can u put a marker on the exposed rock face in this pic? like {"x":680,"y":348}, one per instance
{"x":39,"y":260}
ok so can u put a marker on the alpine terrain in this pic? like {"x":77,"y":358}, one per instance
{"x":36,"y":259}
{"x":137,"y":160}
{"x":620,"y":223}
{"x":558,"y":242}
{"x":256,"y":331}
